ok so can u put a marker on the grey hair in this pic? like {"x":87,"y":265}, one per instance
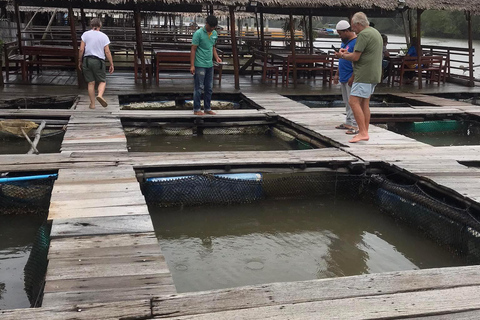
{"x":361,"y":19}
{"x":95,"y":23}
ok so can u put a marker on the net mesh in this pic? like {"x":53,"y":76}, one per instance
{"x":188,"y":131}
{"x":16,"y":126}
{"x":54,"y":102}
{"x":456,"y":228}
{"x":36,"y":267}
{"x":26,"y":197}
{"x":174,"y":105}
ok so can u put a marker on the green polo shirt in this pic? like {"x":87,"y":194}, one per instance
{"x":205,"y":44}
{"x":368,"y":69}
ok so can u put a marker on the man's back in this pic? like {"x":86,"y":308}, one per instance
{"x":368,"y":69}
{"x":95,"y":42}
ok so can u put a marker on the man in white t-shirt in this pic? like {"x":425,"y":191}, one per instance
{"x":93,"y":50}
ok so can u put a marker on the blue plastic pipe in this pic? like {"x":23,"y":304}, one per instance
{"x":27,"y":178}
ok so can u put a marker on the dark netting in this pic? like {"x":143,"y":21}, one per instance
{"x":54,"y":102}
{"x":26,"y":197}
{"x":210,"y":189}
{"x":36,"y":267}
{"x":454,"y":227}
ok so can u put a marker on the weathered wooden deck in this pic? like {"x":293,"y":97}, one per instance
{"x":104,"y":259}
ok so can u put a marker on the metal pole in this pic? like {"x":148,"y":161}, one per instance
{"x":236,"y":68}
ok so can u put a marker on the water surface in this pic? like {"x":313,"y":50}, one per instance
{"x":50,"y":144}
{"x":17,"y":234}
{"x":214,"y":247}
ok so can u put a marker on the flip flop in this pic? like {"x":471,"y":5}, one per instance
{"x":102,"y":101}
{"x":342,"y":127}
{"x":352,"y":131}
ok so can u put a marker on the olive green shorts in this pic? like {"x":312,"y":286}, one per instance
{"x":94,"y":70}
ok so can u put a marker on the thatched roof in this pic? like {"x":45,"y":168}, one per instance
{"x":328,"y":7}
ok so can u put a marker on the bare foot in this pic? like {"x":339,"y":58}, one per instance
{"x":359,"y":138}
{"x":210,"y":112}
{"x":92,"y":106}
{"x":198,"y":113}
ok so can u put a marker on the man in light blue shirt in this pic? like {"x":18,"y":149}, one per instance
{"x":345,"y":74}
{"x":201,"y":64}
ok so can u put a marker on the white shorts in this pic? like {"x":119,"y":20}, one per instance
{"x":362,"y":90}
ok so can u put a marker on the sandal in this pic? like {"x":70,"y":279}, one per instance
{"x":352,"y":131}
{"x":102,"y":101}
{"x":343,"y":126}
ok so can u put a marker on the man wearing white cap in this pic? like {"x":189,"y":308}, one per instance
{"x":367,"y":70}
{"x":345,"y":74}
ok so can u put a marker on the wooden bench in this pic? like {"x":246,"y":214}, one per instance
{"x":48,"y":56}
{"x":12,"y":56}
{"x":269,"y":70}
{"x":137,"y":65}
{"x":323,"y":63}
{"x":172,"y":60}
{"x":432,"y":66}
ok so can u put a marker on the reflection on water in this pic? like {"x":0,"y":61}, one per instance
{"x":225,"y":142}
{"x":21,"y":146}
{"x":16,"y":237}
{"x":290,"y":240}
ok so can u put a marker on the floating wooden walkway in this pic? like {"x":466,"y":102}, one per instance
{"x":105,"y":262}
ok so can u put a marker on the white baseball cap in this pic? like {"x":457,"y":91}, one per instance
{"x":342,"y":25}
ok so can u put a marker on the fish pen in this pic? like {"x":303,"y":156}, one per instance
{"x":183,"y":101}
{"x":222,"y":229}
{"x":24,"y":237}
{"x":52,"y":102}
{"x":20,"y":136}
{"x":336,"y":101}
{"x":260,"y":132}
{"x":453,"y":131}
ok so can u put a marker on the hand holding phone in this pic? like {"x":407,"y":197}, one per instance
{"x":335,"y":49}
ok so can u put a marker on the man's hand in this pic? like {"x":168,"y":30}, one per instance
{"x":219,"y":60}
{"x":350,"y":81}
{"x":192,"y":70}
{"x":80,"y":66}
{"x":111,"y":69}
{"x":335,"y":79}
{"x":340,"y":53}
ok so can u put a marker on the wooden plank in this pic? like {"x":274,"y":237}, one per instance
{"x":135,"y":309}
{"x":109,"y":283}
{"x":92,"y":212}
{"x":63,"y":246}
{"x":279,"y":294}
{"x":126,"y":250}
{"x":377,"y":307}
{"x":101,"y":226}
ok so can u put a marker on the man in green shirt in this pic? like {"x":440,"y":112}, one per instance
{"x":367,"y":70}
{"x":201,"y":64}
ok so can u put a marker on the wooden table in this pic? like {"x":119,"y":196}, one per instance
{"x":47,"y":56}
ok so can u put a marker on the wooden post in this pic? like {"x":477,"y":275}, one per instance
{"x":138,"y":36}
{"x":471,"y":79}
{"x":419,"y":47}
{"x":310,"y":32}
{"x":405,"y":29}
{"x":19,"y":31}
{"x":262,"y":33}
{"x":83,"y":19}
{"x":231,"y":9}
{"x":258,"y":27}
{"x":73,"y":34}
{"x":292,"y":46}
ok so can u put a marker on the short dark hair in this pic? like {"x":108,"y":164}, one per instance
{"x":212,"y":21}
{"x":371,"y":24}
{"x":384,"y":37}
{"x":95,"y":23}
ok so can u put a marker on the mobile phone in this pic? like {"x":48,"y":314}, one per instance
{"x":333,"y":47}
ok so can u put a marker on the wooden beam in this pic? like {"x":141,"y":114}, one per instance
{"x":471,"y":80}
{"x":292,"y":46}
{"x":18,"y":20}
{"x":73,"y":34}
{"x":419,"y":47}
{"x":139,"y":38}
{"x":262,"y":33}
{"x":83,"y":19}
{"x":236,"y":70}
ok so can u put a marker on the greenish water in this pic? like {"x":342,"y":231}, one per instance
{"x":467,"y":133}
{"x":211,"y":142}
{"x":214,"y":247}
{"x":21,"y":146}
{"x":17,"y":234}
